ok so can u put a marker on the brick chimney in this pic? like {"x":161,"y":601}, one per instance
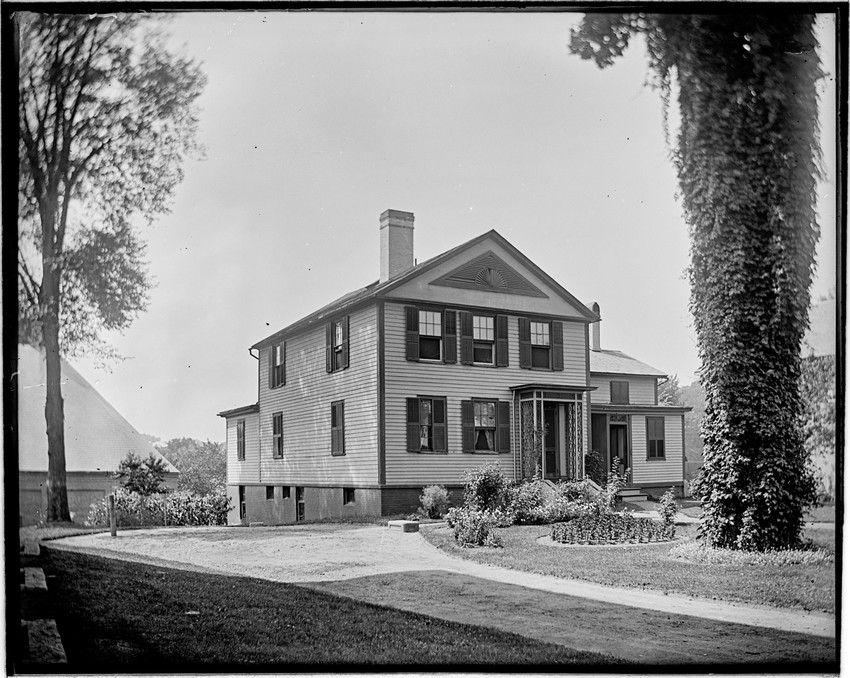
{"x":396,"y":243}
{"x":594,"y":329}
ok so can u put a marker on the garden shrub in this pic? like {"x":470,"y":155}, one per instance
{"x":667,"y":507}
{"x":526,"y":504}
{"x":594,"y":467}
{"x":173,"y":508}
{"x":616,"y":481}
{"x":472,"y":527}
{"x":485,"y":488}
{"x":614,"y":528}
{"x":434,"y":500}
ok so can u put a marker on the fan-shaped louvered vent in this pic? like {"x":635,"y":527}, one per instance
{"x":488,"y":272}
{"x":490,"y":277}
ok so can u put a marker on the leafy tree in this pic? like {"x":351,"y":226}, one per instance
{"x":747,"y":160}
{"x":144,"y":476}
{"x":818,"y":387}
{"x":202,"y":465}
{"x":669,"y":391}
{"x":106,"y":116}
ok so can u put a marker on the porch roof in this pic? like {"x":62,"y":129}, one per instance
{"x":552,"y":387}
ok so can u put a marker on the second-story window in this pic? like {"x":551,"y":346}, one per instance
{"x":277,"y":435}
{"x":430,"y":335}
{"x":540,"y":344}
{"x":620,"y":392}
{"x":240,"y":440}
{"x":483,"y":339}
{"x":277,"y":365}
{"x":336,"y":345}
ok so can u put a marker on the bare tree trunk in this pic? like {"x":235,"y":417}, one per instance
{"x":54,"y":410}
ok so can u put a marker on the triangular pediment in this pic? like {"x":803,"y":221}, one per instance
{"x":489,"y":273}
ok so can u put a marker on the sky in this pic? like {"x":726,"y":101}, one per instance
{"x":316,"y":122}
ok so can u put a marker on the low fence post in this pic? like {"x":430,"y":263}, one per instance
{"x":110,"y":508}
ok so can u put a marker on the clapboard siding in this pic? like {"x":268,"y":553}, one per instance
{"x":405,"y":379}
{"x":247,"y":470}
{"x":657,"y":472}
{"x":305,"y":400}
{"x":641,"y":389}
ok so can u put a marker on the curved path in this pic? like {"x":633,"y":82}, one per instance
{"x":317,"y":553}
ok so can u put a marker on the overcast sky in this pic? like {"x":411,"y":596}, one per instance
{"x":316,"y":122}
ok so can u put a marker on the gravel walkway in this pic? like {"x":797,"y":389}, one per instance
{"x":315,"y":553}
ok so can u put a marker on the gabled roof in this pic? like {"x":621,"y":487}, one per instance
{"x":97,"y":437}
{"x":378,"y":289}
{"x":617,"y":362}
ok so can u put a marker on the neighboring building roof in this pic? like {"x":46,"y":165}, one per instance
{"x":97,"y":437}
{"x":236,"y":411}
{"x":377,"y":288}
{"x":820,"y":337}
{"x":617,"y":362}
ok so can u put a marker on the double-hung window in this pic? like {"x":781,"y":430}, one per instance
{"x":240,"y":440}
{"x":430,"y":335}
{"x":337,"y":345}
{"x":541,"y":344}
{"x":277,"y":365}
{"x":426,"y":424}
{"x":277,"y":435}
{"x":655,"y":438}
{"x":483,"y":339}
{"x":338,"y":428}
{"x":486,"y":425}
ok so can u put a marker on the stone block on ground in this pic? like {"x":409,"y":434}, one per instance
{"x":404,"y":525}
{"x":34,"y":579}
{"x":45,"y":644}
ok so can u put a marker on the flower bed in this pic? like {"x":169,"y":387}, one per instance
{"x":616,"y":528}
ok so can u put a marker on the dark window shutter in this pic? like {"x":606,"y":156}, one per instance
{"x":271,"y":366}
{"x":501,"y":341}
{"x":329,"y":347}
{"x":466,"y":348}
{"x":467,"y":419}
{"x":411,"y":333}
{"x":503,"y":424}
{"x":525,"y":343}
{"x":449,"y":337}
{"x":344,"y":343}
{"x":557,"y":346}
{"x":438,"y":413}
{"x":413,"y":443}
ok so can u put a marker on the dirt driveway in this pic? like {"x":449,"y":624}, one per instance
{"x":326,"y":553}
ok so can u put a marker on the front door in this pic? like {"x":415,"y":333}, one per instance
{"x":551,"y":467}
{"x":618,"y":445}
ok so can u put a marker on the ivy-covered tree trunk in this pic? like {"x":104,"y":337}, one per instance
{"x":747,"y":163}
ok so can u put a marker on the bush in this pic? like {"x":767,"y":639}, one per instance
{"x":174,"y":508}
{"x":615,"y":528}
{"x":485,"y":488}
{"x":594,"y":467}
{"x":667,"y":507}
{"x":473,"y":527}
{"x":526,"y":504}
{"x":434,"y":500}
{"x":142,"y":476}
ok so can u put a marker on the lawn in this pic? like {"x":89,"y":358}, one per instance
{"x":118,"y":616}
{"x":810,"y":587}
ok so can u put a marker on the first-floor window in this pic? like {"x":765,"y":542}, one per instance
{"x":240,"y":440}
{"x":426,"y":424}
{"x":338,"y":428}
{"x":486,"y":425}
{"x":655,"y":437}
{"x":277,"y":435}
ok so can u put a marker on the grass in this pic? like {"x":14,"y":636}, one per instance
{"x":810,"y":587}
{"x":642,"y":637}
{"x":116,"y":615}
